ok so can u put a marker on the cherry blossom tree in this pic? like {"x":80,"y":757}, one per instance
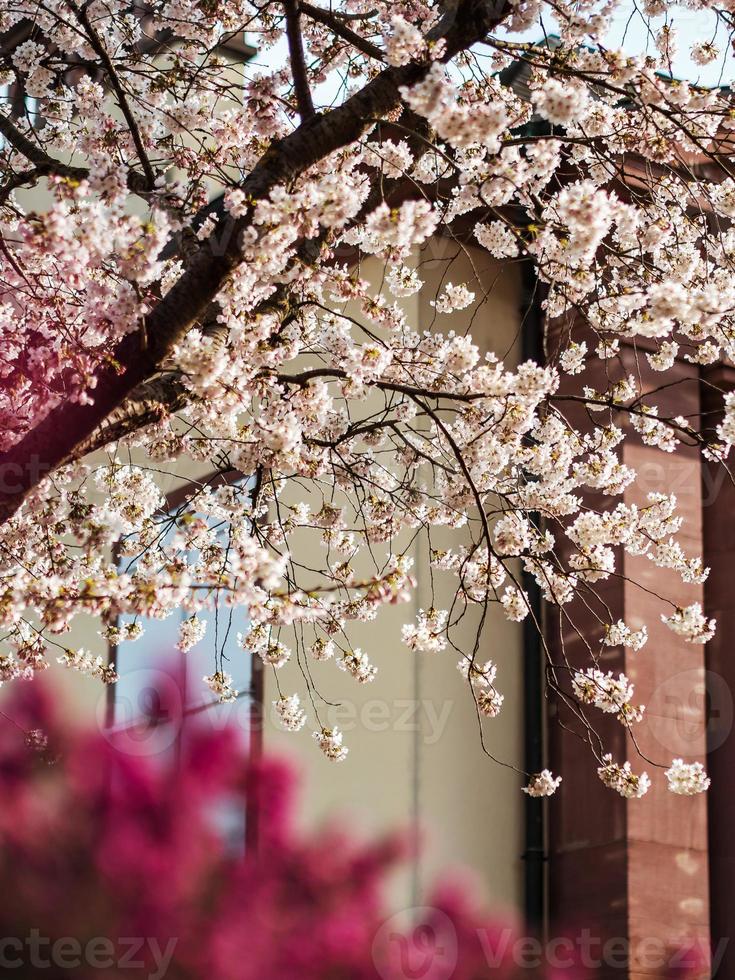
{"x":195,"y":289}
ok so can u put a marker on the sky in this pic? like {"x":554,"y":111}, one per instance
{"x":692,"y":25}
{"x":634,"y":33}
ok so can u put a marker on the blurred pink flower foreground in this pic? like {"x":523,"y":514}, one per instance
{"x":115,"y":864}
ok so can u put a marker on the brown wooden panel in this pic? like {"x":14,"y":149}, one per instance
{"x":640,"y":862}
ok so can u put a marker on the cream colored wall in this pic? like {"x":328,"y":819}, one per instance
{"x":415,"y":753}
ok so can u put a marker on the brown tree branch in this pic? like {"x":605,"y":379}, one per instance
{"x":150,"y":402}
{"x":24,"y":177}
{"x":171,"y":394}
{"x":298,"y":60}
{"x":358,"y":15}
{"x":30,"y":150}
{"x":341,"y":30}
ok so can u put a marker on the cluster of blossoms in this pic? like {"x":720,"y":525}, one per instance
{"x":116,"y":634}
{"x":86,"y":663}
{"x":322,"y":649}
{"x":285,"y":331}
{"x":562,"y":102}
{"x":726,"y":428}
{"x":608,"y":693}
{"x":687,"y":779}
{"x":543,"y":783}
{"x":191,"y":631}
{"x":329,"y":741}
{"x":453,"y":298}
{"x":291,"y":715}
{"x":220,"y":683}
{"x":622,"y":779}
{"x":404,"y":42}
{"x":691,"y":623}
{"x":646,"y":531}
{"x":704,"y":52}
{"x":482,"y":678}
{"x":497,"y":238}
{"x":428,"y":634}
{"x":620,"y":634}
{"x":357,"y":663}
